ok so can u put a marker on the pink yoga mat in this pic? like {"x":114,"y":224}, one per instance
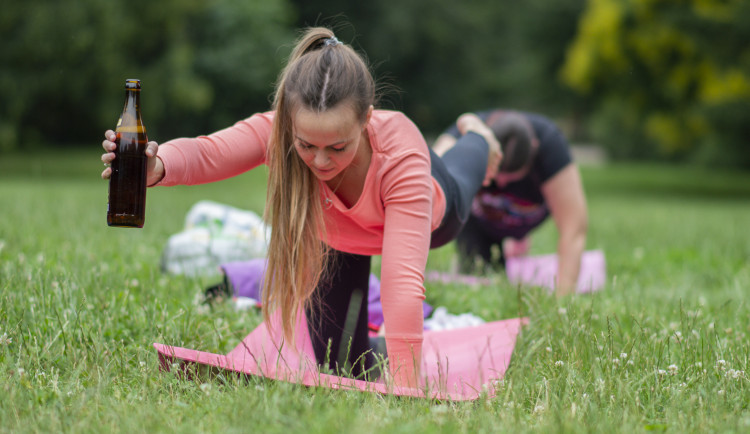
{"x":457,"y":365}
{"x":539,"y":270}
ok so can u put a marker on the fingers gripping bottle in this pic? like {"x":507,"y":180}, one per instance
{"x":127,"y":185}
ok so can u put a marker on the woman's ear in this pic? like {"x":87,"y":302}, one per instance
{"x":367,"y":117}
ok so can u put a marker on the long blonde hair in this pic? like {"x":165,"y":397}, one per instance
{"x":321,"y":73}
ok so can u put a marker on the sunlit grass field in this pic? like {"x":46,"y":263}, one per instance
{"x":663,"y":347}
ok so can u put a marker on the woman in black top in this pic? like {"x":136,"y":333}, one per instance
{"x":536,"y":178}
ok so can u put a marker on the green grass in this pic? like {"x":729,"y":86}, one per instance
{"x":663,"y":347}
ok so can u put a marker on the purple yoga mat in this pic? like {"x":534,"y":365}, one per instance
{"x":246,"y":278}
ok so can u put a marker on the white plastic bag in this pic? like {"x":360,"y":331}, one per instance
{"x":214,"y":234}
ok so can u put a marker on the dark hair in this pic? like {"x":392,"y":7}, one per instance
{"x":517,"y":140}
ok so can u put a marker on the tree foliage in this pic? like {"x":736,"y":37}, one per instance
{"x":200,"y":62}
{"x":646,"y":78}
{"x":440,"y":58}
{"x":668,"y":77}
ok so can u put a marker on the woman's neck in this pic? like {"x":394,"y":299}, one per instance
{"x":348,"y":186}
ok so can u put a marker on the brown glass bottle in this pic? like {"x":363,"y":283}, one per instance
{"x":127,"y":185}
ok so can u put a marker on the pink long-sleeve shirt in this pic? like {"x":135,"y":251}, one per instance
{"x":401,"y":204}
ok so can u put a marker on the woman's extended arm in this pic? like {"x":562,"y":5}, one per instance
{"x":221,"y":155}
{"x":407,"y":196}
{"x":567,"y":202}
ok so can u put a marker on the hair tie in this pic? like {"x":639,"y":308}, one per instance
{"x":331,"y":42}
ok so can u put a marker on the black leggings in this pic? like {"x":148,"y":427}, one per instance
{"x":476,"y":240}
{"x":337,"y":320}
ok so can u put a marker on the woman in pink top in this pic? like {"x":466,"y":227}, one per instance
{"x":345,"y":182}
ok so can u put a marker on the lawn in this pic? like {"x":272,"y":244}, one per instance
{"x":663,"y":347}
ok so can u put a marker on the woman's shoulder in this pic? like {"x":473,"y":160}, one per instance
{"x":393,"y":124}
{"x":381,"y":117}
{"x":393,"y":128}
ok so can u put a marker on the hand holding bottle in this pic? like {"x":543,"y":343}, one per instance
{"x":154,"y":166}
{"x":128,"y":158}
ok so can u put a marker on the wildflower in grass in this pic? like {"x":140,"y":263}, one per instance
{"x":439,"y":409}
{"x":662,"y":372}
{"x":698,"y":365}
{"x":549,"y":349}
{"x":5,"y":339}
{"x":711,"y":326}
{"x":672,"y":369}
{"x":599,"y":384}
{"x":678,"y":335}
{"x":735,"y":374}
{"x":562,"y":311}
{"x":206,"y":388}
{"x":623,"y":356}
{"x":720,"y":364}
{"x":539,"y":408}
{"x":616,"y":362}
{"x":559,"y":363}
{"x":720,"y":392}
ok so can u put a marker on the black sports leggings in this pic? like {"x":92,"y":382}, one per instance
{"x":337,"y":320}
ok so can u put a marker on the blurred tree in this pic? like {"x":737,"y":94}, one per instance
{"x":669,"y":78}
{"x":440,"y":58}
{"x":202,"y":63}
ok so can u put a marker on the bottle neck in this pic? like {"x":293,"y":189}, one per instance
{"x":130,"y":121}
{"x":133,"y":100}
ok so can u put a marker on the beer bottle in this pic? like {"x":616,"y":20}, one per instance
{"x":127,"y":185}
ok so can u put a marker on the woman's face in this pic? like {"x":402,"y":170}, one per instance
{"x":328,"y":141}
